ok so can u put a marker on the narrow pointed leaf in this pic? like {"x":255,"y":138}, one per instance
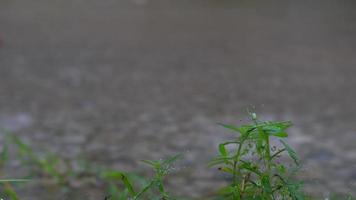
{"x":291,"y":152}
{"x":222,"y":150}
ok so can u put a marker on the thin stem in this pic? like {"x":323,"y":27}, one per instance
{"x":234,"y":175}
{"x":277,"y":153}
{"x":268,"y":154}
{"x":162,"y":190}
{"x":243,"y":185}
{"x":236,"y":160}
{"x":144,"y":190}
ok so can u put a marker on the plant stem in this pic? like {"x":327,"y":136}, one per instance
{"x":144,"y":190}
{"x":236,"y":160}
{"x":268,"y":153}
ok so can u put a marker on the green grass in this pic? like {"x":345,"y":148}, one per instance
{"x":256,"y":170}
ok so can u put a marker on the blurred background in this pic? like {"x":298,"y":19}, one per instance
{"x":124,"y":80}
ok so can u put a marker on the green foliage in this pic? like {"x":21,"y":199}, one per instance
{"x":119,"y":184}
{"x":162,"y":168}
{"x":257,"y":171}
{"x":253,"y":163}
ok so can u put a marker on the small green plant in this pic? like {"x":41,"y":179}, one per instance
{"x":162,"y":168}
{"x":253,"y":163}
{"x":152,"y":189}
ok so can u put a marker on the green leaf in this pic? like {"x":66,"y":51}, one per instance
{"x":128,"y":185}
{"x":266,"y":184}
{"x":281,"y":125}
{"x":170,"y":160}
{"x":222,"y":149}
{"x":152,"y":163}
{"x":116,"y":175}
{"x":226,"y":169}
{"x":282,"y":169}
{"x":291,"y":152}
{"x":294,"y":190}
{"x":227,"y":190}
{"x":111,"y":174}
{"x":276,"y":128}
{"x":250,"y":167}
{"x":243,"y":130}
{"x":280,"y":134}
{"x":220,"y":160}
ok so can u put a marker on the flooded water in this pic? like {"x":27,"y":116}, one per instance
{"x":121,"y":80}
